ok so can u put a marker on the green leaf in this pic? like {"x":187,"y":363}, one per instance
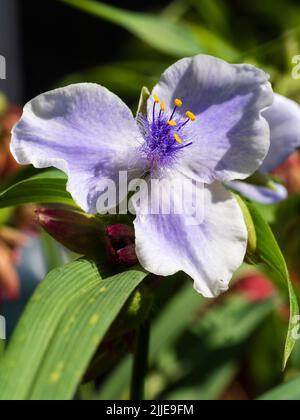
{"x":2,"y":330}
{"x":61,"y":329}
{"x":47,"y":187}
{"x":252,"y":238}
{"x":2,"y":347}
{"x":3,"y":104}
{"x":52,"y":252}
{"x":38,"y":324}
{"x":24,"y":173}
{"x":289,"y":391}
{"x":142,"y":106}
{"x":213,"y":44}
{"x":269,"y":252}
{"x":79,"y":334}
{"x":287,"y":229}
{"x":210,"y":353}
{"x":173,"y":38}
{"x":6,"y":215}
{"x":165,"y":331}
{"x":214,"y":13}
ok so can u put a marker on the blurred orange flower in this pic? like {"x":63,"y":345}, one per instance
{"x":11,"y":239}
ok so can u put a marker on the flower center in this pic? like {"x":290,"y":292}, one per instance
{"x":165,"y":136}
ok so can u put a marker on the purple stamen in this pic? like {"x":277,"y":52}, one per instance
{"x":154,"y":109}
{"x":184,"y":146}
{"x":183,"y":124}
{"x":173,"y":113}
{"x":162,"y":147}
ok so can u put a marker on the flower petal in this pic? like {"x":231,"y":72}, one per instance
{"x":260,"y":194}
{"x":230,"y":136}
{"x":209,"y":250}
{"x":85,"y":131}
{"x":284,"y":121}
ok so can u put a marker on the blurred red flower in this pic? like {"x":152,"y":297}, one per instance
{"x":256,"y":287}
{"x":289,"y":172}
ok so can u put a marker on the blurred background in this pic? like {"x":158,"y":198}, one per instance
{"x":228,"y":349}
{"x":44,"y":44}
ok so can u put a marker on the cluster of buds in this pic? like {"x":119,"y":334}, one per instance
{"x":87,"y":235}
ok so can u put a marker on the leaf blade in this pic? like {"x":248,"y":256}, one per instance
{"x":48,"y":187}
{"x":271,"y":255}
{"x":175,"y":38}
{"x":75,"y":343}
{"x":289,"y":391}
{"x":42,"y":328}
{"x":26,"y":348}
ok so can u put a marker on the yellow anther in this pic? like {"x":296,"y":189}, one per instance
{"x":156,"y":99}
{"x":191,"y":116}
{"x":172,"y":123}
{"x":163,"y":106}
{"x":177,"y":138}
{"x":178,"y":102}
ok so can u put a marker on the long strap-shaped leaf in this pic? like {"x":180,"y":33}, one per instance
{"x":47,"y":187}
{"x":271,"y":255}
{"x":173,"y":38}
{"x":182,"y":308}
{"x":286,"y":392}
{"x":157,"y":31}
{"x":37,"y":325}
{"x":72,"y":309}
{"x":79,"y":334}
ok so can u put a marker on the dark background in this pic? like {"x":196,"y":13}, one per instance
{"x":54,"y":39}
{"x":58,"y":40}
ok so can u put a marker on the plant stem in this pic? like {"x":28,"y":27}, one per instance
{"x":140,"y":363}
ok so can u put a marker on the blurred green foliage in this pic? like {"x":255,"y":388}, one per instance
{"x":231,"y":348}
{"x":236,"y":31}
{"x":235,"y":348}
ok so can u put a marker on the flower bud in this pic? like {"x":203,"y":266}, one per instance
{"x":120,"y":245}
{"x":142,"y":107}
{"x":77,"y":231}
{"x":251,"y":256}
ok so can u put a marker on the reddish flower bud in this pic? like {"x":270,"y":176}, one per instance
{"x":127,"y":255}
{"x":120,"y":231}
{"x":77,"y":231}
{"x":120,"y":245}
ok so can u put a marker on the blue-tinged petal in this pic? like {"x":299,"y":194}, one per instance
{"x":284,"y":121}
{"x":230,"y":136}
{"x":208,"y":241}
{"x":260,"y":194}
{"x":85,"y":131}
